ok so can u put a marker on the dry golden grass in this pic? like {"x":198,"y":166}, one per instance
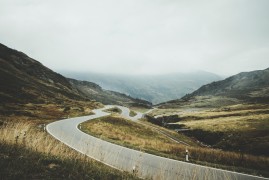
{"x":237,"y":128}
{"x":46,"y":112}
{"x":228,"y":124}
{"x":137,"y":136}
{"x":234,"y":110}
{"x":26,"y":135}
{"x":170,"y":133}
{"x":20,"y":133}
{"x":126,"y":132}
{"x":219,"y":113}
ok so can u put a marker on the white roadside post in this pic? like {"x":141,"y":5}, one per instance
{"x":187,"y":155}
{"x":134,"y":169}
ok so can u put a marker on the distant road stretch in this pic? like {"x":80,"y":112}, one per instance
{"x":142,"y":164}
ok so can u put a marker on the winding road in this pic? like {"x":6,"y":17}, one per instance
{"x":142,"y":164}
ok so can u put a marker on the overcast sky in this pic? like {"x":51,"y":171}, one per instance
{"x":140,"y":36}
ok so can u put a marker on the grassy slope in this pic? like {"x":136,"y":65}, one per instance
{"x":124,"y":132}
{"x":137,"y":136}
{"x":247,"y":87}
{"x":46,"y":112}
{"x":170,"y":133}
{"x":17,"y":162}
{"x":238,"y":128}
{"x":208,"y":101}
{"x":26,"y":152}
{"x":242,"y":127}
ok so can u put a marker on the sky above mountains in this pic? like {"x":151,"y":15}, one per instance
{"x":138,"y":36}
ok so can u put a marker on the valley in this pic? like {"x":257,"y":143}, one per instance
{"x":153,"y":88}
{"x":140,"y":163}
{"x":32,"y":96}
{"x":128,"y":90}
{"x":223,"y":124}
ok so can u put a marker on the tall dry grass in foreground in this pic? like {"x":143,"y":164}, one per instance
{"x":20,"y":136}
{"x":24,"y":133}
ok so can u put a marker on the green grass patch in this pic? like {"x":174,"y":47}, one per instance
{"x":114,"y":110}
{"x":132,"y":113}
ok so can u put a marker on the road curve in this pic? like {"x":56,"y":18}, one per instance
{"x":142,"y":164}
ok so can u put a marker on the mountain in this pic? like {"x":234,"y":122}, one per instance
{"x":245,"y":87}
{"x":153,"y":88}
{"x":25,"y":80}
{"x":94,"y":91}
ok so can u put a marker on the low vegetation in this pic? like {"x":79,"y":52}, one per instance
{"x":46,"y":112}
{"x":209,"y":101}
{"x":114,"y":110}
{"x":139,"y":109}
{"x":140,"y":137}
{"x":125,"y":132}
{"x":27,"y":152}
{"x":241,"y":128}
{"x":132,"y":113}
{"x":170,"y":133}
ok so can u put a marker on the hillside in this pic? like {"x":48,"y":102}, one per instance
{"x":31,"y":96}
{"x":153,"y":88}
{"x":94,"y":91}
{"x":245,"y":87}
{"x":25,"y":80}
{"x":231,"y":114}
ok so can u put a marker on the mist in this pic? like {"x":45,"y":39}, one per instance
{"x":140,"y":37}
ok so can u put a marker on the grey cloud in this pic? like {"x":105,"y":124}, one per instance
{"x":138,"y":36}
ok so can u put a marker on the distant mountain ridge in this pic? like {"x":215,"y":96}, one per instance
{"x":94,"y":91}
{"x":24,"y":80}
{"x":153,"y":88}
{"x":250,"y":87}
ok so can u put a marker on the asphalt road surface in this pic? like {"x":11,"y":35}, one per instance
{"x":142,"y":164}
